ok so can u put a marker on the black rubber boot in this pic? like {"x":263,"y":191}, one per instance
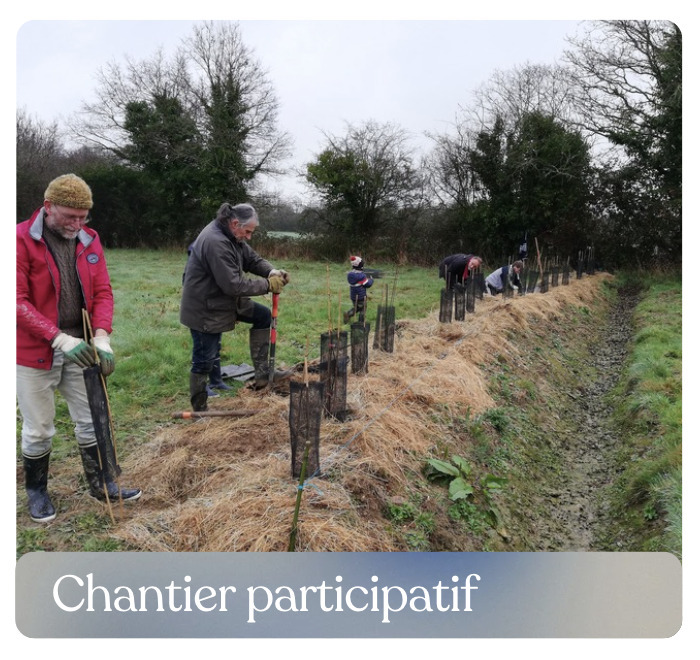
{"x":99,"y":479}
{"x":216,"y":380}
{"x":260,"y":355}
{"x":36,"y":476}
{"x":198,"y":391}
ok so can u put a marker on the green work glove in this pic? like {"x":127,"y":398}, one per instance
{"x":281,"y":273}
{"x":104,"y":353}
{"x":275,"y":283}
{"x":74,"y":348}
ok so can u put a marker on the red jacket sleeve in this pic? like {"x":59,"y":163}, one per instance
{"x":97,"y":287}
{"x":29,"y":319}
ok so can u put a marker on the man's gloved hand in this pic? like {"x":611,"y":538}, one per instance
{"x":280,"y":273}
{"x":74,"y":348}
{"x":104,"y":353}
{"x":275,"y":283}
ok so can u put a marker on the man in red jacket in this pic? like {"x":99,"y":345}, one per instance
{"x":61,"y":271}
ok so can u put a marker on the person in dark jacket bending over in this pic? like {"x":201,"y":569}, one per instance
{"x":61,"y":274}
{"x":216,"y":294}
{"x":456,"y":268}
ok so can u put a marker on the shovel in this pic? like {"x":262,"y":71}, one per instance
{"x":273,"y":340}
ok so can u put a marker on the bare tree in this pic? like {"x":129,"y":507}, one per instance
{"x":504,"y":100}
{"x":238,"y":112}
{"x":366,"y":176}
{"x":39,"y":154}
{"x":629,"y":84}
{"x":37,"y":143}
{"x":233,"y":83}
{"x":102,"y":122}
{"x":218,"y":83}
{"x":617,"y":66}
{"x":450,"y":168}
{"x":523,"y":90}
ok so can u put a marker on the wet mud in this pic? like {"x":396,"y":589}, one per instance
{"x":576,"y":503}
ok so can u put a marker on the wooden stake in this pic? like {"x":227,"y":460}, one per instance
{"x":539,"y":260}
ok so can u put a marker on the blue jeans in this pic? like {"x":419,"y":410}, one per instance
{"x":206,"y":346}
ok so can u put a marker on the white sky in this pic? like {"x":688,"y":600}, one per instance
{"x":325,"y":73}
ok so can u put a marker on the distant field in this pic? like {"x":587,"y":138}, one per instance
{"x":284,"y":234}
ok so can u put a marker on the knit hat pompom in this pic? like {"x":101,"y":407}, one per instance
{"x":69,"y":190}
{"x":356,"y":262}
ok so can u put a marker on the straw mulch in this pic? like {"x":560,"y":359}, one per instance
{"x":225,"y":484}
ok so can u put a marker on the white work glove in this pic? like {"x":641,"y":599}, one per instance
{"x":104,"y":353}
{"x":280,"y":273}
{"x":74,"y":348}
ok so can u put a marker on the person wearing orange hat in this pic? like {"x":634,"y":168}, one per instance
{"x":61,"y":272}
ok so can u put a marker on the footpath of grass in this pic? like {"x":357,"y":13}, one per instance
{"x":649,"y":411}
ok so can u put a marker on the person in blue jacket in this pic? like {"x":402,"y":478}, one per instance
{"x":359,"y":282}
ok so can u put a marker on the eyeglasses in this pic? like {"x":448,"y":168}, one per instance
{"x":82,"y":217}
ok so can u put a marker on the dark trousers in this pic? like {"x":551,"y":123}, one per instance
{"x":206,"y":346}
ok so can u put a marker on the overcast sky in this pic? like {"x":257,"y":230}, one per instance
{"x":325,"y":73}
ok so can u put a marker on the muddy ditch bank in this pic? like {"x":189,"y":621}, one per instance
{"x":574,"y":504}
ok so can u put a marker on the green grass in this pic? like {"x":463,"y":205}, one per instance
{"x":153,"y":350}
{"x":649,"y":411}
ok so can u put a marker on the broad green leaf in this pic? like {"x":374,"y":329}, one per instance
{"x":460,"y":489}
{"x":493,"y":482}
{"x":462,"y":464}
{"x":442,"y":466}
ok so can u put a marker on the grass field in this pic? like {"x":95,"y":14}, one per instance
{"x":153,"y":350}
{"x":649,"y":413}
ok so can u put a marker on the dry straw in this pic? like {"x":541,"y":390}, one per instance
{"x":224,"y":484}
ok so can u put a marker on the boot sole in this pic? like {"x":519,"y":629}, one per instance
{"x":42,"y":520}
{"x":133,"y":498}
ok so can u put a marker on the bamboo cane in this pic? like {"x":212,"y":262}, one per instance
{"x":539,"y":260}
{"x":300,"y":490}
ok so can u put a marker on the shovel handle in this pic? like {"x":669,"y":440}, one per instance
{"x":189,"y":414}
{"x":273,"y":338}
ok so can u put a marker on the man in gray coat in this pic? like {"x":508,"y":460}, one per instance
{"x":216,"y":294}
